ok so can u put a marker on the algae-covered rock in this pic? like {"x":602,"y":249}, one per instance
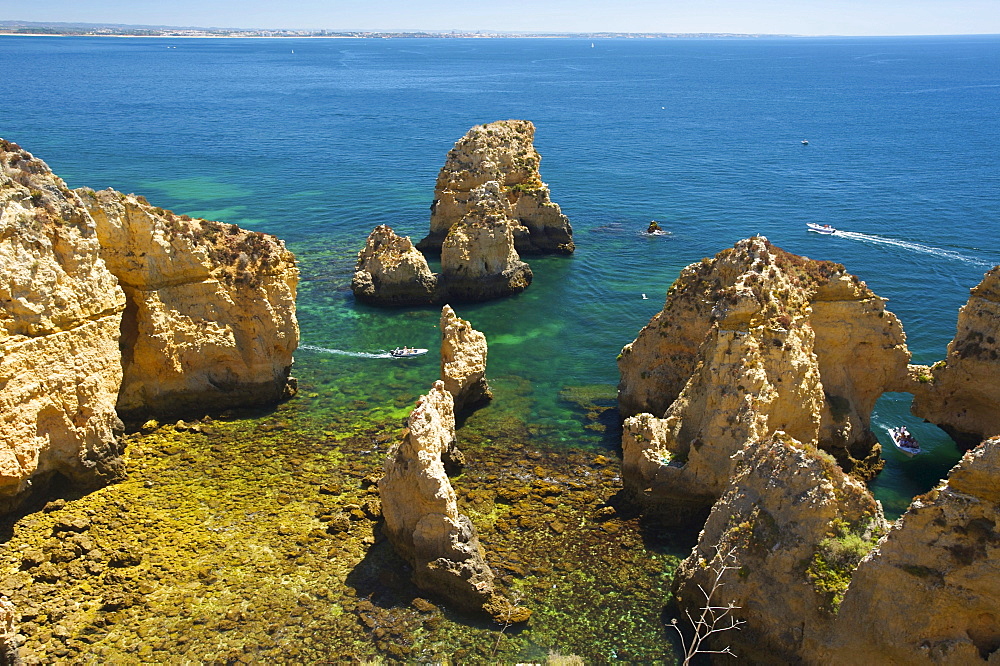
{"x":795,"y":527}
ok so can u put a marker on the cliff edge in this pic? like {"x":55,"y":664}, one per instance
{"x":60,"y":320}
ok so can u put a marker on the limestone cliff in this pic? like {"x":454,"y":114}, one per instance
{"x":210,"y":322}
{"x":754,"y":341}
{"x":962,"y":393}
{"x":930,"y":592}
{"x":390,"y":271}
{"x":504,"y":152}
{"x":60,"y":317}
{"x":478,"y":258}
{"x":795,"y":526}
{"x":463,"y":361}
{"x":421,"y":513}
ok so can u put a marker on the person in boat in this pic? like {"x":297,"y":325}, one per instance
{"x":654,"y":226}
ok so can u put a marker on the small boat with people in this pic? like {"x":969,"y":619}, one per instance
{"x":407,"y":352}
{"x":904,"y":441}
{"x":820,"y":228}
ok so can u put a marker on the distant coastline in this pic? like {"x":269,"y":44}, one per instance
{"x":37,"y":29}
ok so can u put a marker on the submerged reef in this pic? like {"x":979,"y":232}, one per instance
{"x":760,"y":366}
{"x":502,"y":152}
{"x":110,"y":307}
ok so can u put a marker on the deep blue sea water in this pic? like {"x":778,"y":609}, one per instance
{"x":318,"y":141}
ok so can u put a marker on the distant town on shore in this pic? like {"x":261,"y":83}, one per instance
{"x":122,"y":30}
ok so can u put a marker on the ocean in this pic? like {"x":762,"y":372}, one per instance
{"x":320,"y":140}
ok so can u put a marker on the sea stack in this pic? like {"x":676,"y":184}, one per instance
{"x":60,"y":322}
{"x":478,"y":259}
{"x":504,"y":152}
{"x":422,"y":518}
{"x":961,"y":394}
{"x":463,"y":361}
{"x":390,"y":271}
{"x":754,"y":341}
{"x":210,"y":322}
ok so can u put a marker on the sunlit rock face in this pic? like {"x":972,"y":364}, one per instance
{"x":750,"y":342}
{"x":60,"y":320}
{"x":784,"y":500}
{"x":463,"y":361}
{"x":390,"y":271}
{"x":930,"y":591}
{"x":502,"y":152}
{"x":962,"y":393}
{"x":422,"y":518}
{"x":210,"y":322}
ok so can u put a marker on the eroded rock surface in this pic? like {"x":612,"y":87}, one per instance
{"x":962,"y":393}
{"x":60,"y":319}
{"x":390,"y":271}
{"x":478,"y":258}
{"x":796,"y":526}
{"x":503,"y":152}
{"x":421,"y":513}
{"x":754,"y":341}
{"x":463,"y":361}
{"x":210,"y":322}
{"x":930,"y":593}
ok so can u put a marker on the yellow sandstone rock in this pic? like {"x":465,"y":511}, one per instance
{"x":504,"y":152}
{"x":210,"y":322}
{"x":463,"y":361}
{"x":60,"y":317}
{"x":754,"y":341}
{"x":962,"y":393}
{"x":390,"y":271}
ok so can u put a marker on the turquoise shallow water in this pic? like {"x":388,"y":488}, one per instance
{"x":318,"y":141}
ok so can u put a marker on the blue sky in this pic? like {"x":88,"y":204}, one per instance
{"x":806,"y":17}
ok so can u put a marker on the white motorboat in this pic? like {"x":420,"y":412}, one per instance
{"x":407,"y":352}
{"x":904,"y":441}
{"x":820,"y":228}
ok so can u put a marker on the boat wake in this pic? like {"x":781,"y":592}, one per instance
{"x":911,"y":246}
{"x":342,"y":352}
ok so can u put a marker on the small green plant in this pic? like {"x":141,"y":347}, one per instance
{"x":836,"y":558}
{"x":924,"y":378}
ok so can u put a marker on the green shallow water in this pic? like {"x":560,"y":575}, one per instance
{"x":229,"y":543}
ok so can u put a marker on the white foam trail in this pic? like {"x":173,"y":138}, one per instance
{"x":913,"y":247}
{"x":346,"y":353}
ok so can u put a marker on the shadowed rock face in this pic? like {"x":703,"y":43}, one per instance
{"x":463,"y":361}
{"x":502,"y":152}
{"x":962,"y":393}
{"x":60,"y":320}
{"x":754,"y":341}
{"x":210,"y":322}
{"x":421,"y":513}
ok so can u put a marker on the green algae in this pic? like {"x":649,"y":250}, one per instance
{"x":256,"y":536}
